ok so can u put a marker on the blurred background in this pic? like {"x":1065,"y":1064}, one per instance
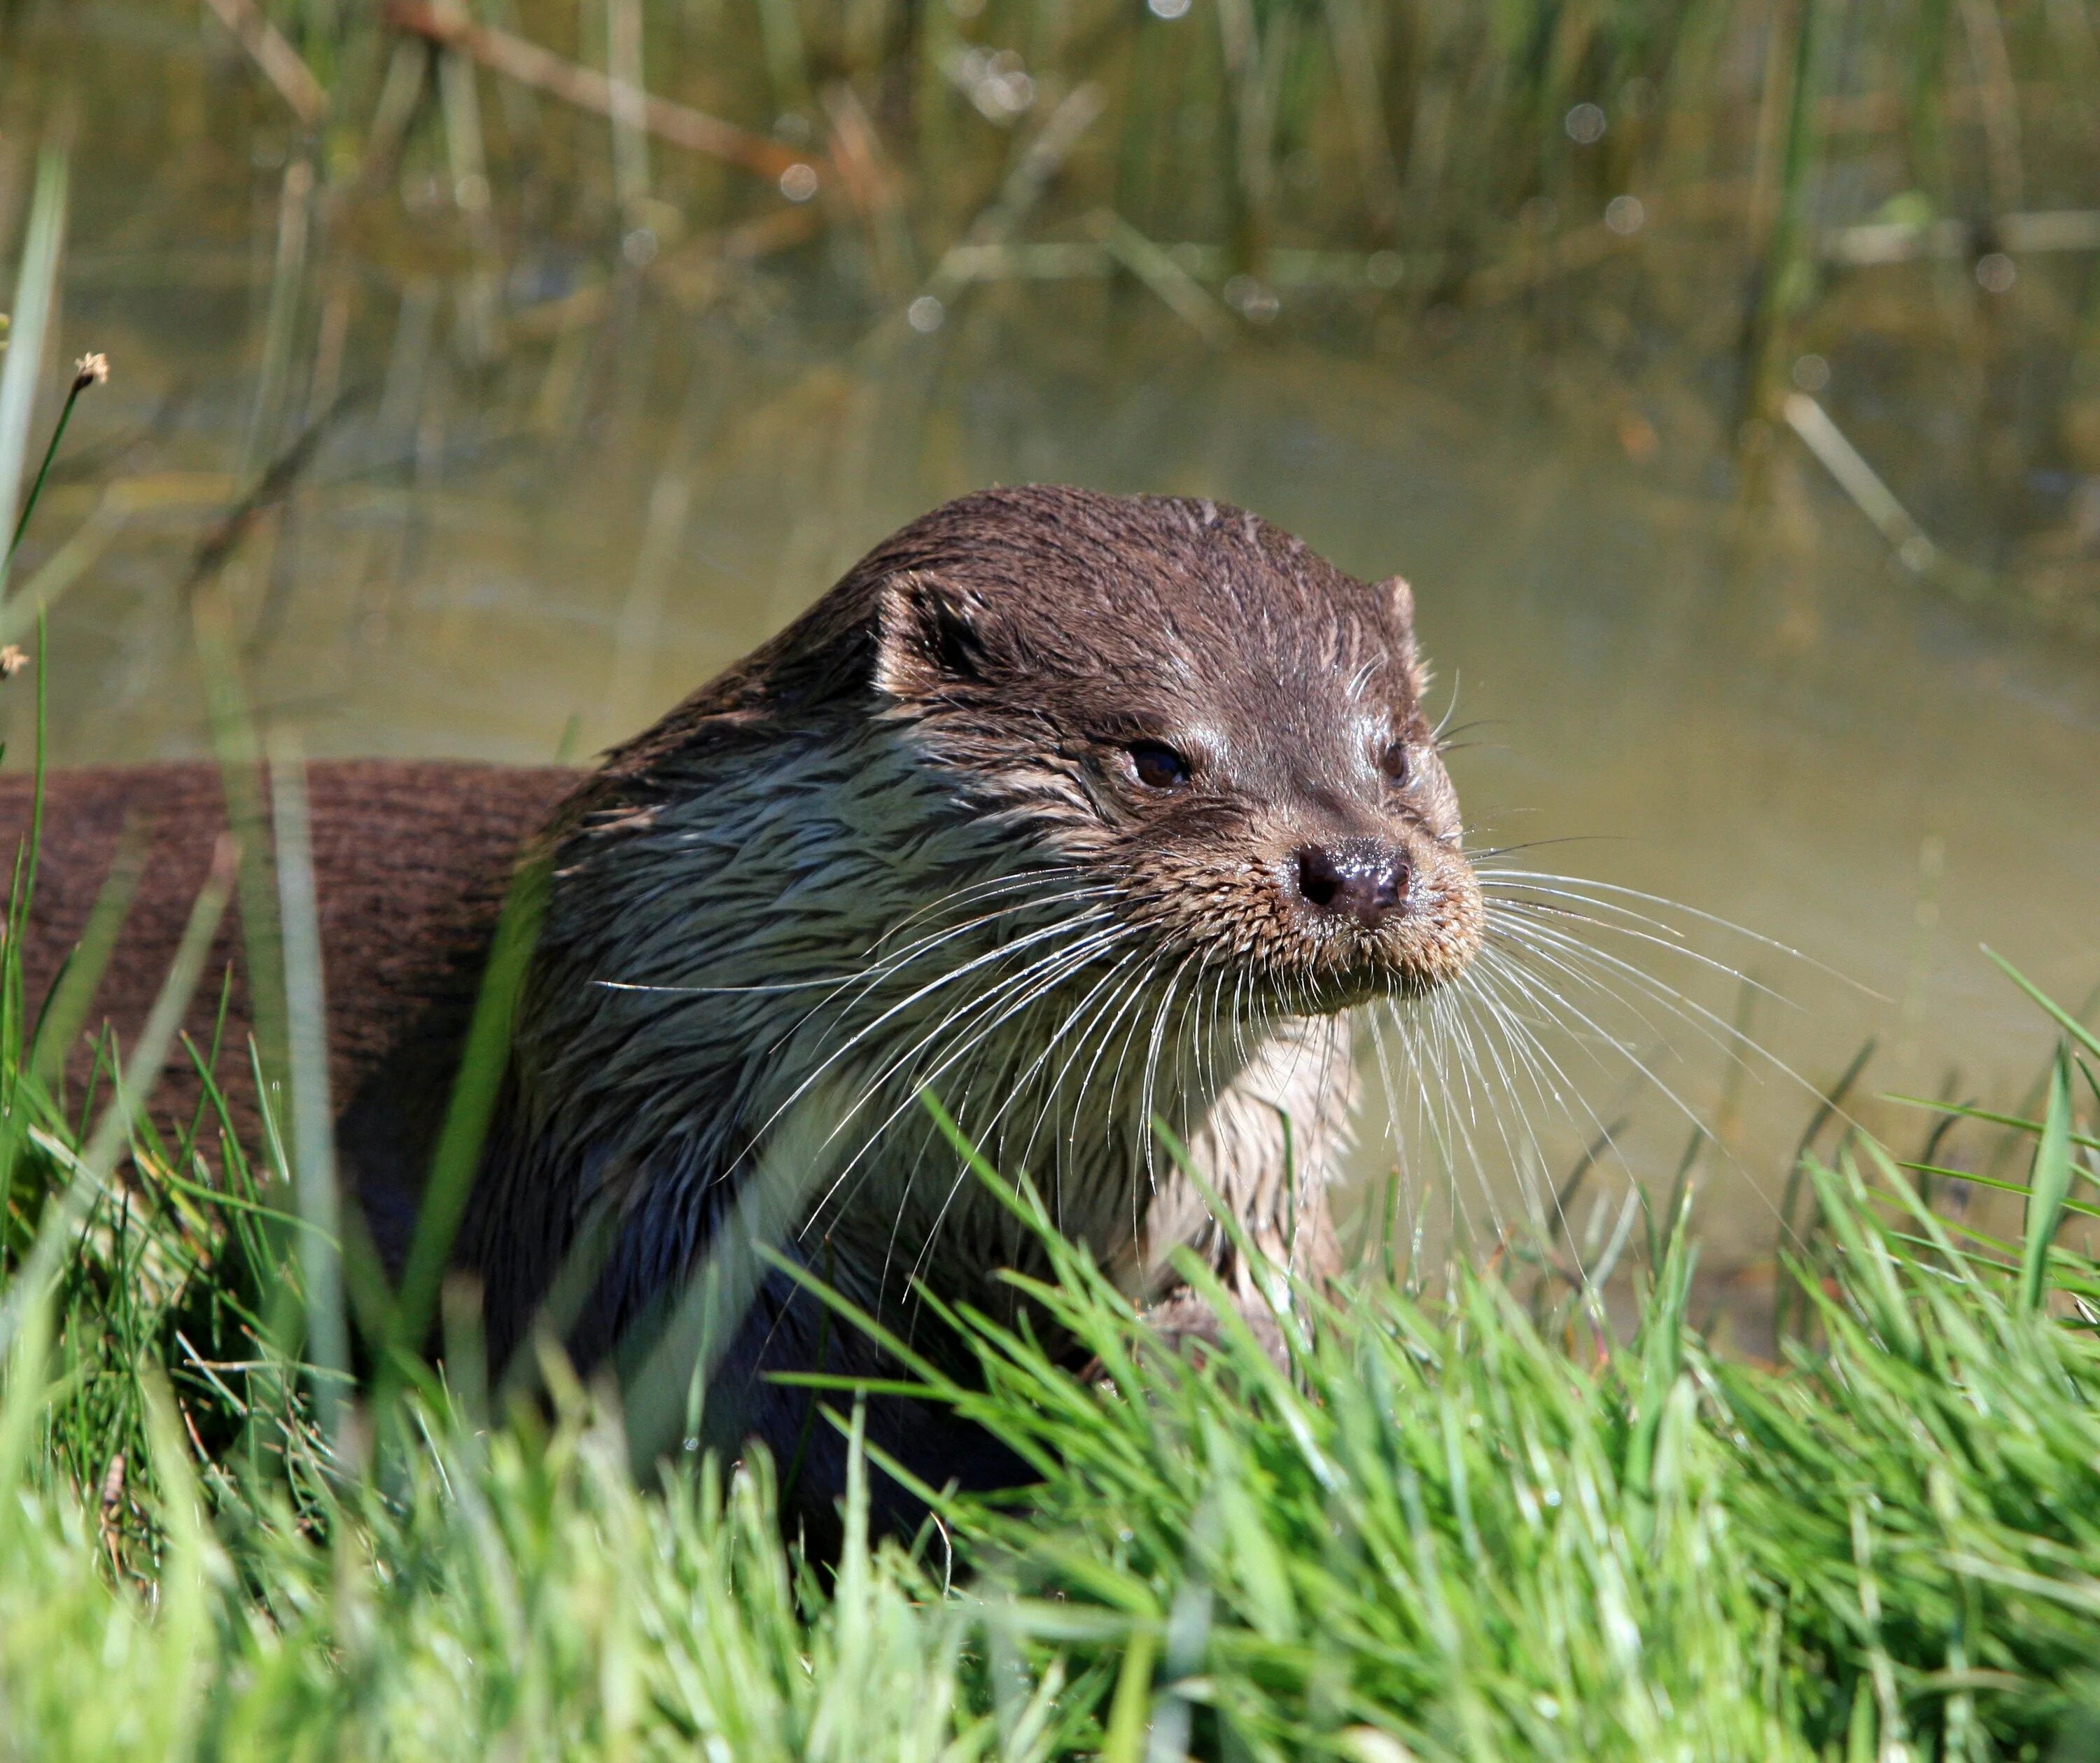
{"x":1725,"y":375}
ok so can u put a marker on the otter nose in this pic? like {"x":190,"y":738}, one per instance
{"x":1361,"y":878}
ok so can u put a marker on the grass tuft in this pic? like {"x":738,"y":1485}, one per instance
{"x":1440,"y":1530}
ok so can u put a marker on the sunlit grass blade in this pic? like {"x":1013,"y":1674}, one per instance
{"x":2048,"y":1188}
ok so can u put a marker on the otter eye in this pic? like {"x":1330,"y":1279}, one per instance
{"x":1394,"y":762}
{"x":1158,"y":766}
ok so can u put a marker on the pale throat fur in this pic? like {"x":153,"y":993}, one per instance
{"x":1068,"y":809}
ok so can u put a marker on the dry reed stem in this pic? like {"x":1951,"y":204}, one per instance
{"x":276,"y":58}
{"x":587,"y":89}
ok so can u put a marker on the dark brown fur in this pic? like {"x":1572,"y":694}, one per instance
{"x":411,"y":860}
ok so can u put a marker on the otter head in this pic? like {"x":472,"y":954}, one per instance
{"x":1196,"y":709}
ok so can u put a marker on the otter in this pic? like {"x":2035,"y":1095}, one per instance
{"x":1077,"y":813}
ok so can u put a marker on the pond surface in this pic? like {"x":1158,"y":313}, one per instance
{"x":1735,"y":704}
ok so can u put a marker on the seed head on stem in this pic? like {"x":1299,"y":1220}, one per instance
{"x":90,"y":369}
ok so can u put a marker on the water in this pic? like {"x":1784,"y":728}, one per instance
{"x":1750,"y":713}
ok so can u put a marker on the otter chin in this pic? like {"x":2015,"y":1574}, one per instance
{"x":1083,"y":814}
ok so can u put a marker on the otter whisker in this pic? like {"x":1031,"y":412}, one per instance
{"x":993,"y":957}
{"x":1460,"y":1109}
{"x":1509,"y":894}
{"x":702,"y":991}
{"x":1540,"y":1058}
{"x":1135,"y":1007}
{"x":1528,"y":1045}
{"x":1451,"y":709}
{"x":930,"y":941}
{"x":1126,"y":1002}
{"x":1567,"y":962}
{"x":1445,"y":1111}
{"x":1507,"y":1044}
{"x":1001,"y":951}
{"x":887,"y":967}
{"x":1107,"y":1000}
{"x":1546,"y":990}
{"x":1667,"y":939}
{"x":1508,"y":919}
{"x":1120,"y":1027}
{"x":1041,"y":970}
{"x":1029,"y":983}
{"x":932,"y":944}
{"x":974,"y":1038}
{"x":1018,"y":1089}
{"x":1723,"y":1034}
{"x":1511,"y":1042}
{"x":1205,"y":1049}
{"x":1477,"y":1041}
{"x":1335,"y":1071}
{"x":1106,"y":984}
{"x":941,"y":937}
{"x":1029,"y":902}
{"x":1453,"y":1110}
{"x":1389,"y":1095}
{"x":1517,"y":975}
{"x":983,"y":886}
{"x":1569,"y":953}
{"x":978,"y":1037}
{"x":1442,"y":1110}
{"x":1467,"y":1039}
{"x":1717,"y":922}
{"x":1419,"y":1030}
{"x":1555,"y":1003}
{"x":1151,"y":1073}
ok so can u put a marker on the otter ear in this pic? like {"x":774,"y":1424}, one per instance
{"x":1399,"y":600}
{"x":927,"y":636}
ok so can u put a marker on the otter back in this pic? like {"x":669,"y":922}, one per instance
{"x":411,"y":861}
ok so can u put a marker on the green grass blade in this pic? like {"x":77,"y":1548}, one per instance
{"x":1128,"y":1716}
{"x":2065,"y":1020}
{"x":473,"y":1106}
{"x":90,"y":1170}
{"x":36,"y":285}
{"x":313,"y":1131}
{"x":64,"y":1011}
{"x":2049,"y":1185}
